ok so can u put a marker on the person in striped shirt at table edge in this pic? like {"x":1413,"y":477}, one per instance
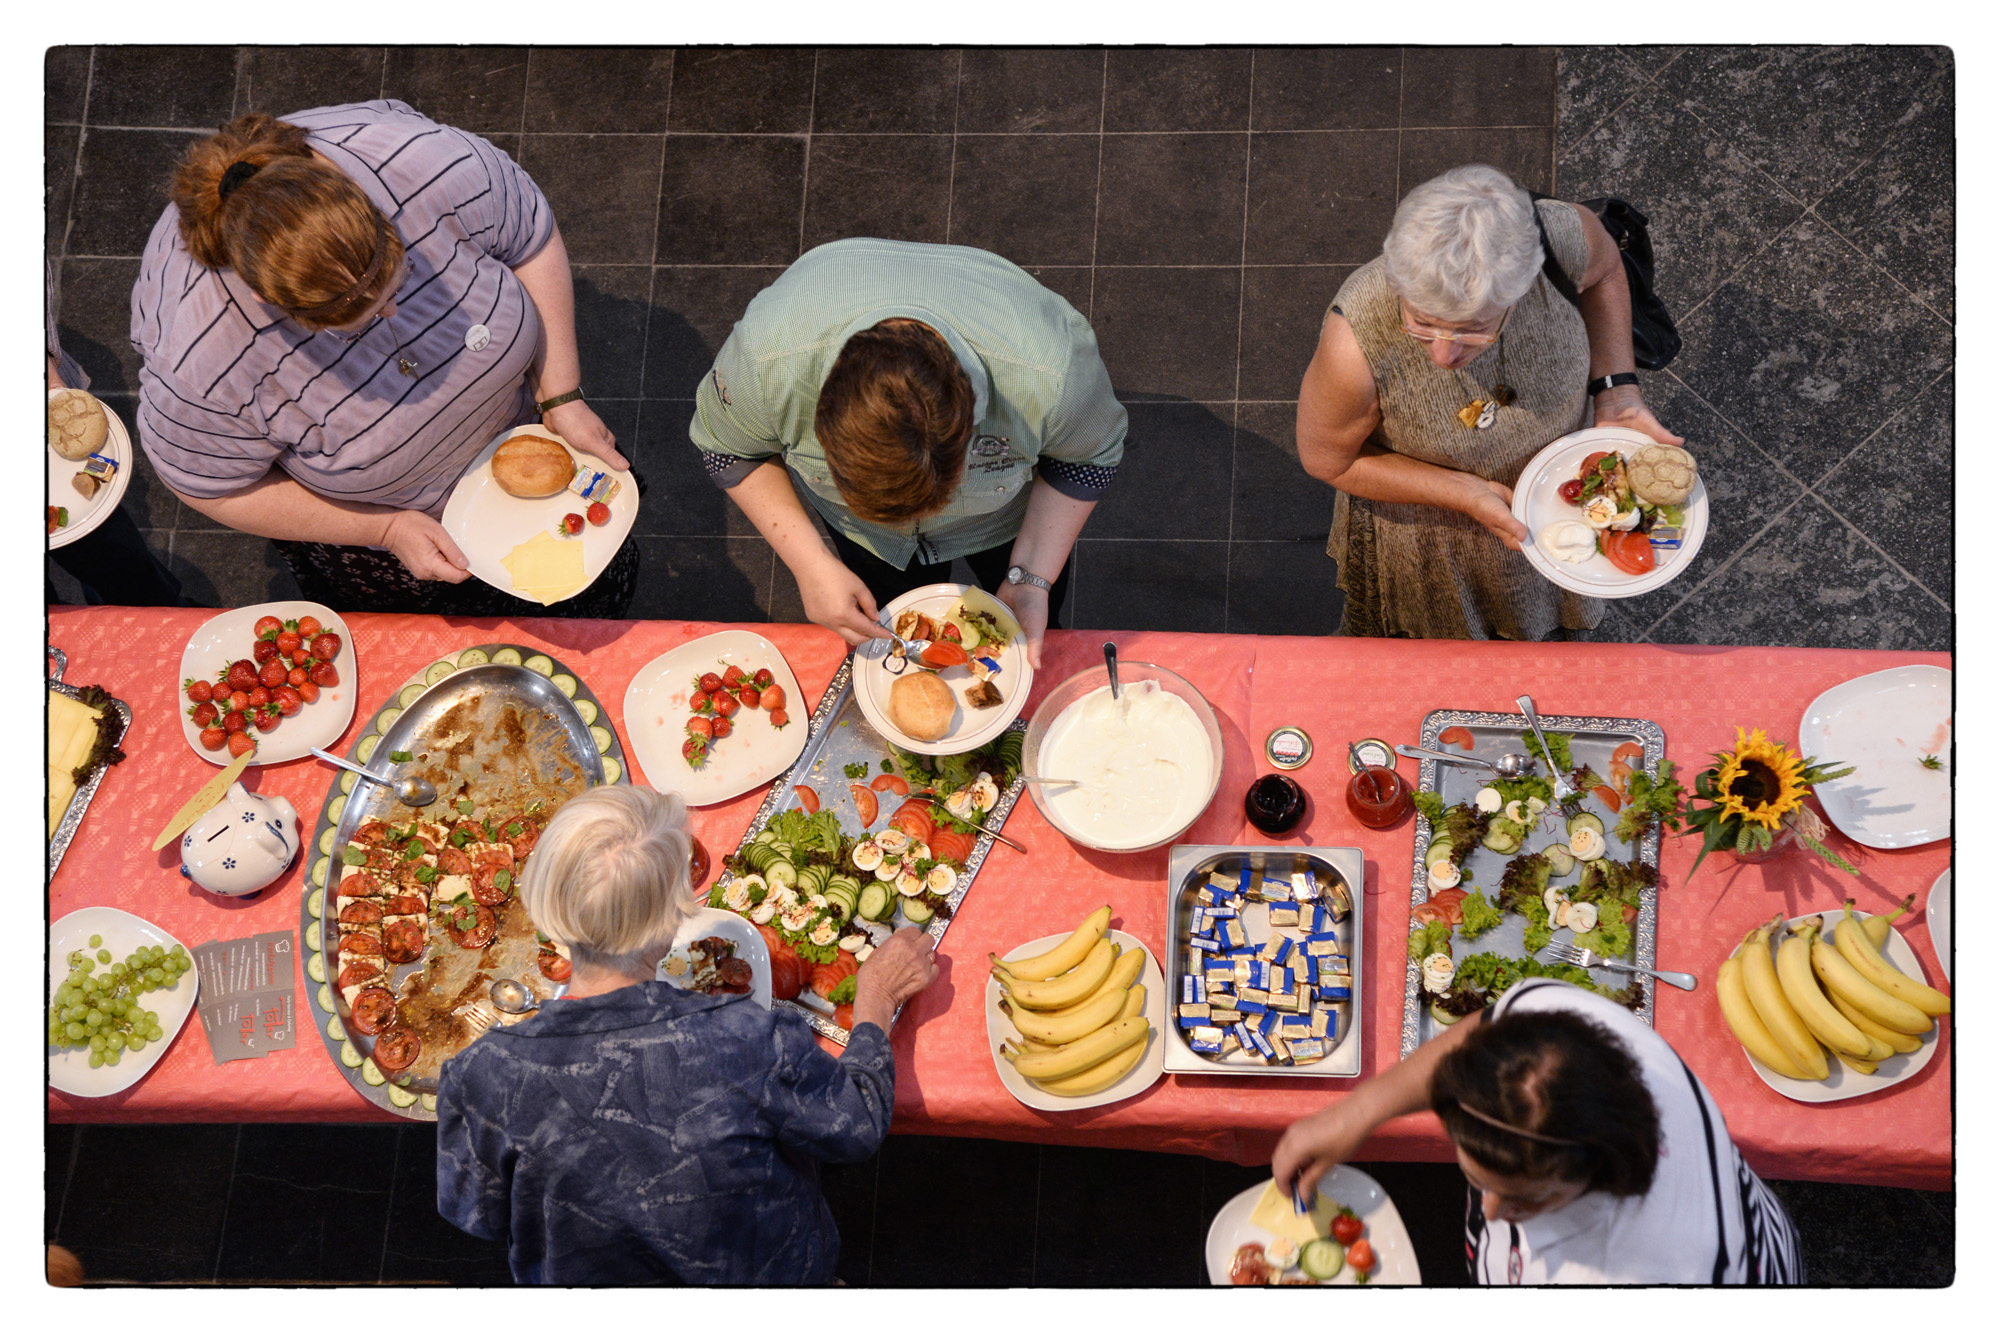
{"x":337,"y":311}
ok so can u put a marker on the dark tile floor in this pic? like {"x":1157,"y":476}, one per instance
{"x":1200,"y":207}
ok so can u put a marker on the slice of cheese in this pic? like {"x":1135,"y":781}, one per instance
{"x":72,"y":733}
{"x":1275,"y":1214}
{"x":546,"y":569}
{"x":61,"y":789}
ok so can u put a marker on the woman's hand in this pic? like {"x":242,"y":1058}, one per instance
{"x":1317,"y":1143}
{"x":835,"y":597}
{"x":1492,"y":505}
{"x":584,"y":429}
{"x":424,"y":547}
{"x":1623,"y":406}
{"x":1030,"y":606}
{"x":900,"y":967}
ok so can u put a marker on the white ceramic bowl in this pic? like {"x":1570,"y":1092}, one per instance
{"x":1093,"y":678}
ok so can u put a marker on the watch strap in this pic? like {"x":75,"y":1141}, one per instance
{"x":574,"y":395}
{"x":1020,"y":574}
{"x":1612,"y":381}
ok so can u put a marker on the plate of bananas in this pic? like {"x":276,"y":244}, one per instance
{"x":1830,"y":1005}
{"x":1075,"y":1020}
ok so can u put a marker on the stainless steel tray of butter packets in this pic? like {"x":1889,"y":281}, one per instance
{"x":1188,"y":869}
{"x":79,"y":803}
{"x":840,"y":735}
{"x":1593,"y":741}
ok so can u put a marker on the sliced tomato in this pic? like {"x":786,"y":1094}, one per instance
{"x":808,"y":798}
{"x":1590,"y":464}
{"x":1621,"y":774}
{"x":1631,"y":752}
{"x":914,"y":818}
{"x":843,"y":1017}
{"x":866,"y":807}
{"x":889,"y":782}
{"x":1610,"y":798}
{"x":1427,"y":913}
{"x":1631,"y":552}
{"x":1458,"y":736}
{"x":1448,"y":901}
{"x":945,"y":654}
{"x":825,"y":976}
{"x":950,"y":845}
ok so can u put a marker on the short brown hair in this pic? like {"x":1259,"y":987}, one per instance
{"x":894,"y":418}
{"x":252,"y":197}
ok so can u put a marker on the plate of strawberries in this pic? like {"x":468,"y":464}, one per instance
{"x":716,"y":717}
{"x":272,"y":681}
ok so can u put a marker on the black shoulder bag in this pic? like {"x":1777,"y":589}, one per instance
{"x":1654,"y":339}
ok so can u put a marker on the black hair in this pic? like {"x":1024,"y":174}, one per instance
{"x":1554,"y":1074}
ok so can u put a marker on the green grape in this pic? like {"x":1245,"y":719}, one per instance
{"x":76,"y":1031}
{"x":180,"y":953}
{"x":111,"y":1056}
{"x":154,"y":975}
{"x":120,"y":971}
{"x":96,"y":940}
{"x":152,"y":1019}
{"x":97,"y":1059}
{"x":134,"y":1040}
{"x":93,"y":1020}
{"x":104,"y":955}
{"x":97,"y":1041}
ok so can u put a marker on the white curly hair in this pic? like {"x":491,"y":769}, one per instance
{"x":1463,"y":245}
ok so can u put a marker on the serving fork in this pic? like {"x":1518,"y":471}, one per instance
{"x":1584,"y":958}
{"x":1557,"y":778}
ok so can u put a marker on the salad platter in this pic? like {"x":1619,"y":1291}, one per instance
{"x":1489,"y":877}
{"x":860,"y":838}
{"x":510,"y":674}
{"x":1582,"y":519}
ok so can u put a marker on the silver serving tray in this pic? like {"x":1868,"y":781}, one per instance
{"x":839,"y":734}
{"x":373,"y":801}
{"x":79,"y":804}
{"x":1494,"y":734}
{"x":1188,"y":867}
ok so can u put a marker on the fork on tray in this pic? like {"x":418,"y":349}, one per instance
{"x":1584,"y":958}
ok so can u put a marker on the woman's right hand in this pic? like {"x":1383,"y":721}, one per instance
{"x":1317,"y":1143}
{"x":901,"y":966}
{"x":1491,"y":504}
{"x":835,"y":597}
{"x":424,"y":547}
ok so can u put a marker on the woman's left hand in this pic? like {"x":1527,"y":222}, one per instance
{"x":1623,"y":406}
{"x":1030,"y":606}
{"x":583,"y":429}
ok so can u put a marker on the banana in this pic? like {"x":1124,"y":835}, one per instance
{"x":1099,"y":1076}
{"x":1064,"y":956}
{"x":1065,"y":990}
{"x":1858,"y":1066}
{"x":1901,"y":1042}
{"x":1135,"y":1004}
{"x":1076,"y":1024}
{"x":1809,"y":1002}
{"x":1767,"y":999}
{"x":1743,"y":1021}
{"x":1077,"y":1056}
{"x":1844,"y":981}
{"x":1877,"y":927}
{"x":1853,"y":942}
{"x":1125,"y":969}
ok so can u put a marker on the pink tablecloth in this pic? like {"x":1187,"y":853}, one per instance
{"x":1336,"y":689}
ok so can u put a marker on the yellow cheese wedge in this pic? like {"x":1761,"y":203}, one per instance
{"x":1274,"y":1213}
{"x":72,"y":731}
{"x":546,"y":569}
{"x":61,"y":789}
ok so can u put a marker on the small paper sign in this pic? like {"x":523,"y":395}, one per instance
{"x":246,"y":995}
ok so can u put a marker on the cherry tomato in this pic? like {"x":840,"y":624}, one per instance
{"x":204,"y":715}
{"x":720,"y":727}
{"x":289,"y":700}
{"x":259,"y":697}
{"x":697,"y":862}
{"x":263,"y":651}
{"x":710,"y":682}
{"x":1361,"y":1256}
{"x":199,"y":691}
{"x":242,"y":674}
{"x":241,"y":742}
{"x":267,"y":719}
{"x":599,"y":514}
{"x":1590,"y":463}
{"x":213,"y":738}
{"x":808,"y":798}
{"x":325,"y":646}
{"x":726,"y":704}
{"x":1570,"y":490}
{"x":950,"y":631}
{"x":701,"y":726}
{"x":309,"y":692}
{"x":273,"y":675}
{"x":763,"y":678}
{"x":772,"y":700}
{"x":267,"y":627}
{"x":1347,"y":1229}
{"x":323,"y":675}
{"x":287,"y":641}
{"x":308,"y":626}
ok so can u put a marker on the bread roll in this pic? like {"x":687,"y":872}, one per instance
{"x":921,"y":705}
{"x":1661,"y":474}
{"x":532,"y":466}
{"x":77,"y":426}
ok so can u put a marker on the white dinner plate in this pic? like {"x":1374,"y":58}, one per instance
{"x":487,"y":523}
{"x":1395,"y":1259}
{"x":1937,"y":919}
{"x":1137,"y":1079}
{"x":1537,"y":504}
{"x":69,"y":1067}
{"x":750,"y":947}
{"x":227,"y":637}
{"x":754,"y":752}
{"x":85,"y":515}
{"x":1841,"y":1082}
{"x":1884,"y":724}
{"x":970,"y":727}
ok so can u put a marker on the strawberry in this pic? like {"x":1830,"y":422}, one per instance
{"x":700,"y":726}
{"x":213,"y":738}
{"x":778,"y":718}
{"x":323,"y":675}
{"x":309,"y":692}
{"x":572,"y":524}
{"x":241,"y":743}
{"x":772,"y":700}
{"x":267,"y":627}
{"x":749,"y":694}
{"x":763,"y":678}
{"x":698,"y":702}
{"x":599,"y":513}
{"x":695,"y":751}
{"x":198,"y":691}
{"x":720,"y":727}
{"x":731,"y":674}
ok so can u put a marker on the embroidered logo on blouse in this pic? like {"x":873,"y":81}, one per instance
{"x":721,"y":389}
{"x":988,"y":446}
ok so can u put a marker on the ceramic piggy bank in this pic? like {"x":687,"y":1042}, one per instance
{"x":241,"y":845}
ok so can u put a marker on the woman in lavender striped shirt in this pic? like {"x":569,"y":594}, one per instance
{"x":336,"y":313}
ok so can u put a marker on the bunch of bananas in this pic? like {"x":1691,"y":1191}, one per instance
{"x":1080,"y":1010}
{"x":1842,"y":996}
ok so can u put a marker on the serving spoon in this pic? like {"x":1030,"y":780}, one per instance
{"x":1111,"y":666}
{"x":1508,"y":766}
{"x":511,"y":997}
{"x":410,"y":791}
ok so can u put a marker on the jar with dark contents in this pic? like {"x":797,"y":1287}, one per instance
{"x":1275,"y":804}
{"x":1377,"y":797}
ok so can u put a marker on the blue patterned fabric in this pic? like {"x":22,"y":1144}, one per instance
{"x":652,"y":1135}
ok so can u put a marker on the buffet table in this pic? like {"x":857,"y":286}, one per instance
{"x":1336,"y":689}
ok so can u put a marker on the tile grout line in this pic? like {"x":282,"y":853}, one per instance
{"x":1645,"y":81}
{"x":76,"y":165}
{"x":1242,"y":285}
{"x":951,"y":172}
{"x":222,"y":1231}
{"x":1097,"y":197}
{"x":382,"y":84}
{"x":388,"y":1220}
{"x":652,"y":269}
{"x":1812,"y":211}
{"x":805,"y":172}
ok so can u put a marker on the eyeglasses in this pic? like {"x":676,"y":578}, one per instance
{"x":1427,"y":333}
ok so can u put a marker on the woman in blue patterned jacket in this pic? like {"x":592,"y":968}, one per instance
{"x":635,"y":1133}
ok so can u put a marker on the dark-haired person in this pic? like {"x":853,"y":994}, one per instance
{"x":1592,"y":1154}
{"x":932,"y":402}
{"x":336,"y":312}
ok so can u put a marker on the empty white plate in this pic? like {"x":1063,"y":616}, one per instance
{"x":1884,"y":724}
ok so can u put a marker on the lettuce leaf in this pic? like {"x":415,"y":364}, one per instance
{"x":1480,"y":915}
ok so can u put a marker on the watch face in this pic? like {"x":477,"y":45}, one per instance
{"x":1014,"y":574}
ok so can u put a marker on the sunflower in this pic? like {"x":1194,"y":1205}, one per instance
{"x":1759,"y":781}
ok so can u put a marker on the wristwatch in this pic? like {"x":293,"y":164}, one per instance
{"x":574,"y":395}
{"x":1598,"y":386}
{"x":1017,"y":575}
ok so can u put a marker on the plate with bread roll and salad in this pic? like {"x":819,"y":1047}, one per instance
{"x":962,"y":688}
{"x":90,"y":463}
{"x":539,"y":519}
{"x":1611,"y":512}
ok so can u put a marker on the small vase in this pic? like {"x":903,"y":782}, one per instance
{"x":1782,"y":844}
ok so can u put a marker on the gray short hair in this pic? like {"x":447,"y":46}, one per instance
{"x":609,"y":876}
{"x":1463,"y":243}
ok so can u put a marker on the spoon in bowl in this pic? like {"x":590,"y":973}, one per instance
{"x":1111,"y":665}
{"x":410,"y":791}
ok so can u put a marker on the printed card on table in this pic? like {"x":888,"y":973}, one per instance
{"x":246,"y":995}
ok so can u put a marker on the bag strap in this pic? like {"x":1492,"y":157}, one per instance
{"x":1550,"y":268}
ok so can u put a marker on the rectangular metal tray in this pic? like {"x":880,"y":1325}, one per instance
{"x":1494,"y":734}
{"x":1187,"y":866}
{"x":79,"y":804}
{"x":839,"y":735}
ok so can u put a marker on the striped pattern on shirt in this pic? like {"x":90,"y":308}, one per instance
{"x":231,"y":386}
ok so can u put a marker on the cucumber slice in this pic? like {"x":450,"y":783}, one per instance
{"x":840,"y":908}
{"x":1321,"y":1258}
{"x":429,"y":1100}
{"x":335,"y":1029}
{"x":400,"y":1097}
{"x":472,"y":657}
{"x":319,"y":871}
{"x":586,"y":710}
{"x":334,"y":808}
{"x":1585,"y":820}
{"x":387,"y":719}
{"x":540,"y":665}
{"x":917,"y":912}
{"x":349,"y":1056}
{"x":316,"y":902}
{"x":613,"y":770}
{"x":506,"y":657}
{"x":411,"y":693}
{"x":1561,"y":859}
{"x":759,"y":855}
{"x":1497,"y":840}
{"x":372,"y":1076}
{"x":326,"y":843}
{"x":1440,"y":846}
{"x":316,"y":967}
{"x":366,"y":748}
{"x":437,"y":671}
{"x":767,"y":835}
{"x":313,"y":940}
{"x":874,"y":902}
{"x":781,"y":875}
{"x":567,"y":684}
{"x":325,"y":998}
{"x":602,"y":737}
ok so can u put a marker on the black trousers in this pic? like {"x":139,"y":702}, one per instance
{"x":989,"y":567}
